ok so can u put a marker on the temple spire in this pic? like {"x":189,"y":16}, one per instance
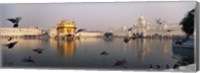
{"x":74,"y":22}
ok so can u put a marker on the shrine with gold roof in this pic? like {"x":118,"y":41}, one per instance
{"x":66,"y":29}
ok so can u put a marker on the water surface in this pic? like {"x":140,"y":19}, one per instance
{"x":85,"y":53}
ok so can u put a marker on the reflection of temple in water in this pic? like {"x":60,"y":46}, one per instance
{"x":66,"y":48}
{"x":166,"y":49}
{"x":143,"y":50}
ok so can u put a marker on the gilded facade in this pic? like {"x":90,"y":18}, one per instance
{"x":66,"y":29}
{"x":66,"y":48}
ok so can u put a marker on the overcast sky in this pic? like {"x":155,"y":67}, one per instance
{"x":94,"y":16}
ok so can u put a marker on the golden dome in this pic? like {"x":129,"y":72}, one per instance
{"x":74,"y":22}
{"x":65,"y":23}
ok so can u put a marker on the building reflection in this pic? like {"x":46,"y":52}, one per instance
{"x":65,"y":48}
{"x":144,"y":50}
{"x":23,"y":44}
{"x":166,"y":48}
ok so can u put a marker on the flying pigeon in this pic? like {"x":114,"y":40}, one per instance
{"x":28,"y":60}
{"x":38,"y":50}
{"x":175,"y":66}
{"x":126,"y":39}
{"x":120,"y":62}
{"x":104,"y":53}
{"x":11,"y":45}
{"x":158,"y":66}
{"x":129,"y":29}
{"x":167,"y":66}
{"x":150,"y":66}
{"x":159,"y":21}
{"x":15,"y":21}
{"x":10,"y":38}
{"x":80,"y":30}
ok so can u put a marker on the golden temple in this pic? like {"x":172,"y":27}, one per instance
{"x":66,"y":29}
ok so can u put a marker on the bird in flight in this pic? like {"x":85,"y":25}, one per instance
{"x":129,"y":29}
{"x":80,"y":30}
{"x":15,"y":21}
{"x":126,"y":39}
{"x":10,"y":38}
{"x":150,"y":66}
{"x":159,"y":21}
{"x":11,"y":45}
{"x":38,"y":50}
{"x":28,"y":60}
{"x":120,"y":62}
{"x":104,"y":53}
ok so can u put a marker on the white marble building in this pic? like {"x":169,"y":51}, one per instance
{"x":89,"y":34}
{"x":143,"y":26}
{"x":20,"y":32}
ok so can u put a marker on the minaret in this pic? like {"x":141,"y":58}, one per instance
{"x":142,"y":23}
{"x":74,"y":23}
{"x":124,"y":28}
{"x":110,"y":30}
{"x":62,"y":21}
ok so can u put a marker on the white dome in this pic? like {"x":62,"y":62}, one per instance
{"x":141,"y":18}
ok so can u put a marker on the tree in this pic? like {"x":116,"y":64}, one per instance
{"x":188,"y":23}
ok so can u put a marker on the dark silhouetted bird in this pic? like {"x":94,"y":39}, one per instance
{"x":159,"y":21}
{"x":104,"y":53}
{"x":38,"y":50}
{"x":80,"y":30}
{"x":28,"y":60}
{"x":126,"y":39}
{"x":167,"y":66}
{"x":11,"y":45}
{"x":108,"y":35}
{"x":175,"y":66}
{"x":15,"y":21}
{"x":169,"y":30}
{"x":129,"y":29}
{"x":182,"y":63}
{"x":120,"y":62}
{"x":10,"y":38}
{"x":158,"y":66}
{"x":150,"y":66}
